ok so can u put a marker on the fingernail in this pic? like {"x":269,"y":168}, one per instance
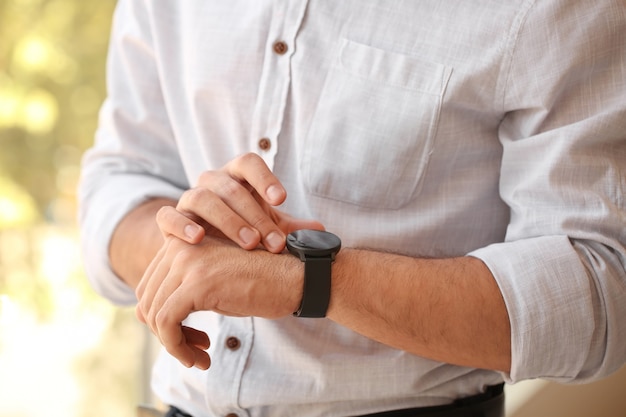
{"x":247,"y":235}
{"x":274,"y":193}
{"x":191,"y":231}
{"x":275,"y":240}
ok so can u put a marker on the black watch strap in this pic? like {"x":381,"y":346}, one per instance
{"x":316,"y":295}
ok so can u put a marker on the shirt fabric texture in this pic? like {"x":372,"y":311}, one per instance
{"x":429,"y":129}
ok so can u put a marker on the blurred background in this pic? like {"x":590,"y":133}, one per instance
{"x":64,"y":351}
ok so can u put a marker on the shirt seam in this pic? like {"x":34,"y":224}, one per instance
{"x":510,"y":50}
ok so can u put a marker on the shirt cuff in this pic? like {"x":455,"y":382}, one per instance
{"x":99,"y":217}
{"x":549,"y":301}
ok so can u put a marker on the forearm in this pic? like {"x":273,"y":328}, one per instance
{"x":136,"y":240}
{"x":449,"y":310}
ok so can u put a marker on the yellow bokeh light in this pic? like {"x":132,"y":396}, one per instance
{"x":17,"y":207}
{"x":39,"y":112}
{"x":9,"y":106}
{"x":33,"y":53}
{"x":10,"y":98}
{"x":59,"y":255}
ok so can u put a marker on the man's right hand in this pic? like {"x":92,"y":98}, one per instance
{"x":237,"y":202}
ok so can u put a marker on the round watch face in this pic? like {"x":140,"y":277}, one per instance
{"x":314,"y":242}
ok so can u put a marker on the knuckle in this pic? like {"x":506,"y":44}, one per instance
{"x":261,"y":222}
{"x":229,"y":189}
{"x":162,"y":319}
{"x":164,"y":214}
{"x":239,"y":164}
{"x":206,"y":177}
{"x":227,"y":219}
{"x":184,"y":258}
{"x":249,"y":157}
{"x":195,"y":197}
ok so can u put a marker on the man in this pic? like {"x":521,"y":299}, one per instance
{"x":470,"y":156}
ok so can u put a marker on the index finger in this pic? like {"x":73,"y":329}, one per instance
{"x":252,"y":169}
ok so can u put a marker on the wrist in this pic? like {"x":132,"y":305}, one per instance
{"x":294,"y":283}
{"x":340,"y":285}
{"x":136,"y":240}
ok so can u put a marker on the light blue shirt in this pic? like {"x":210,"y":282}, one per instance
{"x":429,"y":129}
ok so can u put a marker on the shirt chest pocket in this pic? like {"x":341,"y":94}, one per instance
{"x":372,"y":133}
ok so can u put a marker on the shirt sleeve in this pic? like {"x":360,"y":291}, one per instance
{"x":134,"y":155}
{"x":561,"y":269}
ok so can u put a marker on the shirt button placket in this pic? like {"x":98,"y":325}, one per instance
{"x":232,"y":343}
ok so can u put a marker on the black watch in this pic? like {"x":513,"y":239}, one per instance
{"x":317,"y":250}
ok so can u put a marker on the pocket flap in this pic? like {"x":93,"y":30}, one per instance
{"x":393,"y":68}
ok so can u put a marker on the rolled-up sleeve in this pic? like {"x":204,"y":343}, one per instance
{"x":562,"y":268}
{"x":134,"y":155}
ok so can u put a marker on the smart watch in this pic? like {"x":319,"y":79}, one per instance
{"x":317,"y":249}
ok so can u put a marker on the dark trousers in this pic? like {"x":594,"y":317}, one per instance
{"x":488,"y":404}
